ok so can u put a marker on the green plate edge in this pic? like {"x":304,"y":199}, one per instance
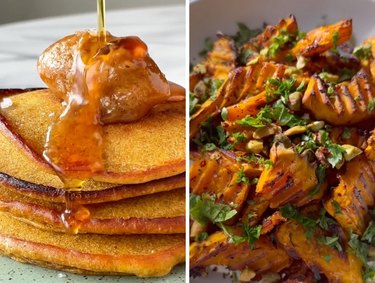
{"x":15,"y":272}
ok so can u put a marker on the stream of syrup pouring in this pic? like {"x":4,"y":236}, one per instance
{"x":74,"y":142}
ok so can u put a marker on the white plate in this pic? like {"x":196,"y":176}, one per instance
{"x":207,"y":17}
{"x":162,"y":28}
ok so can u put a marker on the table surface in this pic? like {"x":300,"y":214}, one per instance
{"x":162,"y":28}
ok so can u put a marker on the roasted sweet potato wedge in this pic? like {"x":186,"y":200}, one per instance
{"x":344,"y":104}
{"x":221,"y":59}
{"x":217,"y":250}
{"x":342,"y":267}
{"x":353,"y":196}
{"x":290,"y":179}
{"x":323,"y":38}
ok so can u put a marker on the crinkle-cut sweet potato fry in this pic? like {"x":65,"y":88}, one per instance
{"x":323,"y":38}
{"x":217,"y":250}
{"x":221,"y":59}
{"x":289,"y":180}
{"x":353,"y":196}
{"x":342,"y":267}
{"x":346,"y":103}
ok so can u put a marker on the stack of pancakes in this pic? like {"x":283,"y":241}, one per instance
{"x":129,"y":219}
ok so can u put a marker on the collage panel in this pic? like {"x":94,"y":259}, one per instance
{"x":92,"y":141}
{"x":282,"y":107}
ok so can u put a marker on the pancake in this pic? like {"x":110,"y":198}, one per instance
{"x":161,"y":213}
{"x":151,"y":148}
{"x":141,"y":255}
{"x":19,"y":174}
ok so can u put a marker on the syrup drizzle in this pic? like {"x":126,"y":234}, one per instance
{"x":74,"y":142}
{"x":101,"y":22}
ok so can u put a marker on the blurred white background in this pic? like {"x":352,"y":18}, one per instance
{"x":18,"y":10}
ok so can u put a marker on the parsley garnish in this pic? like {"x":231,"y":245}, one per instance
{"x":336,"y":156}
{"x":239,"y":137}
{"x":309,"y":224}
{"x":242,"y":178}
{"x":249,"y":121}
{"x":283,"y":115}
{"x":278,"y":42}
{"x":224,"y":113}
{"x":346,"y":134}
{"x":320,"y":173}
{"x":244,"y":55}
{"x":244,"y":34}
{"x":324,"y":221}
{"x":208,"y":45}
{"x":331,"y":242}
{"x":279,"y":88}
{"x":206,"y":210}
{"x":363,"y":52}
{"x":201,"y":237}
{"x":260,"y":160}
{"x":335,"y":41}
{"x":336,"y":206}
{"x":251,"y":234}
{"x":371,"y":105}
{"x":369,"y":234}
{"x":327,"y":258}
{"x":209,"y":147}
{"x":193,"y":103}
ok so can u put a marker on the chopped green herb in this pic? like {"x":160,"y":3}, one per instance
{"x":301,"y":35}
{"x":330,"y":90}
{"x":283,"y":115}
{"x":244,"y":34}
{"x":335,"y":41}
{"x":331,"y":242}
{"x":251,"y":234}
{"x":324,"y":222}
{"x":359,"y":248}
{"x":193,"y":103}
{"x":336,"y":152}
{"x":337,"y":207}
{"x":239,"y":137}
{"x":206,"y":210}
{"x":369,"y":233}
{"x":301,"y":86}
{"x":308,"y":141}
{"x":327,"y":258}
{"x":249,"y":121}
{"x":363,"y":52}
{"x":209,"y":147}
{"x":278,"y":42}
{"x":244,"y":55}
{"x":259,"y":160}
{"x":224,"y":113}
{"x":208,"y":45}
{"x":201,"y":237}
{"x":371,"y":105}
{"x":346,"y":74}
{"x":242,"y":178}
{"x":346,"y":134}
{"x":309,"y":224}
{"x":320,"y":173}
{"x":279,"y":88}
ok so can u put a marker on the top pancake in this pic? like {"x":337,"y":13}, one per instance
{"x":149,"y":149}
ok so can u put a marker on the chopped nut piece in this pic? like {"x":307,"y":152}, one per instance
{"x":296,"y":130}
{"x":246,"y":275}
{"x":316,"y":126}
{"x":254,"y":146}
